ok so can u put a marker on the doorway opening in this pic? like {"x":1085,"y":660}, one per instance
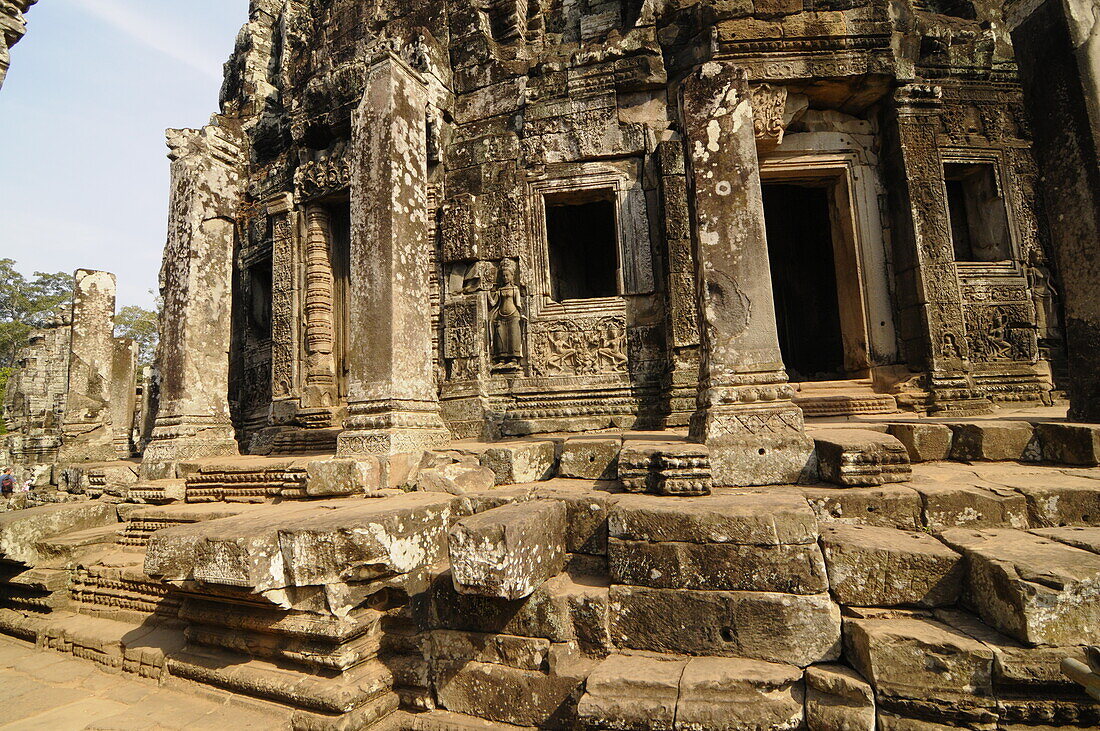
{"x":801,"y":247}
{"x":340,"y":253}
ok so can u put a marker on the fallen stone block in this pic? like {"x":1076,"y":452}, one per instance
{"x":590,"y":458}
{"x":508,"y":552}
{"x":733,"y":693}
{"x":586,"y":508}
{"x":21,"y":530}
{"x":521,"y":462}
{"x":860,"y":457}
{"x":838,"y":699}
{"x":508,"y":695}
{"x":1076,"y":444}
{"x":743,"y":517}
{"x":522,"y":653}
{"x":889,"y":506}
{"x":627,"y":692}
{"x":793,"y":569}
{"x":312,"y":544}
{"x":883,"y":567}
{"x":994,"y":441}
{"x":923,"y":669}
{"x":666,"y":469}
{"x":456,"y":478}
{"x":1033,"y":589}
{"x":924,"y":442}
{"x":787,"y":628}
{"x":1057,"y":499}
{"x":331,"y":477}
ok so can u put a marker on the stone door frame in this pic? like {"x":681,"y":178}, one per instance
{"x":863,"y":285}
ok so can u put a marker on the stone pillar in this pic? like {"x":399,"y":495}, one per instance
{"x":87,"y":435}
{"x":284,"y":309}
{"x":1057,"y":45}
{"x":196,"y":287}
{"x":745,"y":414}
{"x":930,"y":300}
{"x":319,"y":308}
{"x":123,"y":390}
{"x":393,"y":405}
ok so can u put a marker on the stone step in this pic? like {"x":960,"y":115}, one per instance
{"x":860,"y":457}
{"x":143,"y":522}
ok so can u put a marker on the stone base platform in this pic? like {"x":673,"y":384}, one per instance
{"x":937,"y":581}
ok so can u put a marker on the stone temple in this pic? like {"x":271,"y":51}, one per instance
{"x":663,"y":364}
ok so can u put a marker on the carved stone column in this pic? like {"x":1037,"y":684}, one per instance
{"x":393,"y":405}
{"x":87,"y":434}
{"x":284,"y":310}
{"x":929,"y":297}
{"x":196,"y":287}
{"x":745,"y":414}
{"x":319,"y":305}
{"x":1057,"y":46}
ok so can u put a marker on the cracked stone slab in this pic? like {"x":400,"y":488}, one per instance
{"x":1036,"y":590}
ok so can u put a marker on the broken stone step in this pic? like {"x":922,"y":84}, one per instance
{"x":838,"y":698}
{"x":860,"y":457}
{"x":1033,"y":589}
{"x":507,"y":694}
{"x":510,"y":551}
{"x":884,"y":567}
{"x":590,"y":458}
{"x":1076,"y":444}
{"x":924,"y":442}
{"x":587,"y":507}
{"x":994,"y":441}
{"x":888,"y":506}
{"x":22,"y":530}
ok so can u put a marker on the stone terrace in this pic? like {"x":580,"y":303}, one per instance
{"x":926,"y":575}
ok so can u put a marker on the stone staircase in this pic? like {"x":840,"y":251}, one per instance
{"x":927,"y":576}
{"x":842,"y":398}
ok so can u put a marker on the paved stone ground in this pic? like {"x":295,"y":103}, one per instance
{"x":48,"y":691}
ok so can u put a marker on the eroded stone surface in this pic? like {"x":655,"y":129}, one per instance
{"x":508,"y":552}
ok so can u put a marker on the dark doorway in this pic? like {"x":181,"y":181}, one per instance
{"x":583,"y":246}
{"x":807,"y":311}
{"x":340,"y":222}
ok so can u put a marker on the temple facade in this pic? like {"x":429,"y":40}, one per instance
{"x":520,"y":219}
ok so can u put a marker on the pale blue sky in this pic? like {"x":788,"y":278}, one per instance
{"x":92,"y":87}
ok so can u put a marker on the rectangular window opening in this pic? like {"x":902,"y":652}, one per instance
{"x":583,"y":243}
{"x":260,"y":287}
{"x":979,"y":219}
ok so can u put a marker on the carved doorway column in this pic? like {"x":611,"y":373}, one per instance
{"x":393,"y":405}
{"x":320,"y":392}
{"x":745,"y":414}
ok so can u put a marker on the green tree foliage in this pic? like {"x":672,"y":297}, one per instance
{"x":141,"y":325}
{"x":26,"y":304}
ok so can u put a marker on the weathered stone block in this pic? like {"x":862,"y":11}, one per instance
{"x":507,"y":695}
{"x":308,"y":544}
{"x":586,"y":513}
{"x":1077,"y":444}
{"x":20,"y":531}
{"x":873,"y":567}
{"x":725,"y":694}
{"x":921,"y":667}
{"x":329,"y":477}
{"x":590,"y":458}
{"x":508,"y":552}
{"x":750,"y":518}
{"x":628,"y":692}
{"x":1057,"y":499}
{"x":786,"y":628}
{"x":522,"y":653}
{"x":521,"y":462}
{"x":456,"y":478}
{"x":994,"y":441}
{"x":793,"y":569}
{"x":889,"y":506}
{"x":861,"y":457}
{"x":838,"y":699}
{"x":950,"y":506}
{"x":924,"y":442}
{"x":1031,"y":588}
